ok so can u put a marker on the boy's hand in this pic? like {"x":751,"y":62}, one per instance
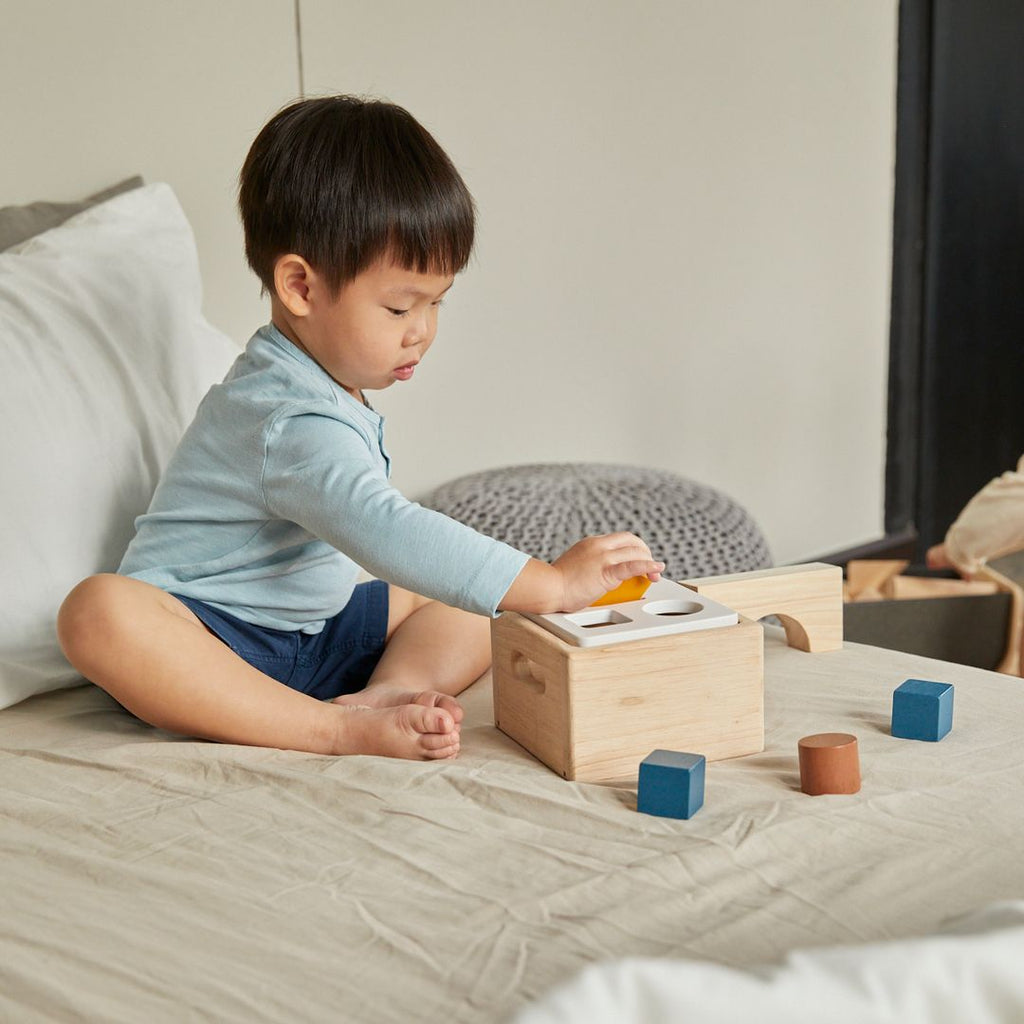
{"x":595,"y":565}
{"x":587,"y":571}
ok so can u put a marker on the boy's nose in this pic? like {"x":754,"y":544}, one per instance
{"x":421,"y":332}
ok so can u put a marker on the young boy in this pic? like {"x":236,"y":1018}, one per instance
{"x":235,"y":615}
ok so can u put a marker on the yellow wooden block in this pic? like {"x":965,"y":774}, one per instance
{"x":628,"y":590}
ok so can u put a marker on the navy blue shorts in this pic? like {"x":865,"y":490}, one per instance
{"x":327,"y":664}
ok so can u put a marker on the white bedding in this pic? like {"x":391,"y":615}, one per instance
{"x":152,"y":877}
{"x":973,"y":978}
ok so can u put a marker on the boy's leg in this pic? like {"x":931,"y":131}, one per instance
{"x":433,"y":652}
{"x":155,"y":657}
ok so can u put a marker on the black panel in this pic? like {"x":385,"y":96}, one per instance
{"x":910,"y":214}
{"x":956,"y":370}
{"x":972,"y":358}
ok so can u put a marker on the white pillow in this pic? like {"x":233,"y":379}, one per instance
{"x":105,"y":355}
{"x":970,"y":975}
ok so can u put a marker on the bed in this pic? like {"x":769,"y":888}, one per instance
{"x":150,"y":876}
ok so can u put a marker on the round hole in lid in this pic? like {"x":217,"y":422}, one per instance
{"x":674,"y":607}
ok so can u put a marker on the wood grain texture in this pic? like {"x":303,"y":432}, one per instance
{"x":871,"y":573}
{"x":593,"y":714}
{"x":808,"y":600}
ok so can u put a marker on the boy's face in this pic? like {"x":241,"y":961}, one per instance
{"x":377,"y":329}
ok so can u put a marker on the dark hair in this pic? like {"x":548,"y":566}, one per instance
{"x":341,"y":181}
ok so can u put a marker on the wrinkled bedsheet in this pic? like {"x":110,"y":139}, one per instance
{"x":146,"y":876}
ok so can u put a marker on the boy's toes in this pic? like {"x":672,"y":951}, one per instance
{"x":441,"y":753}
{"x":410,"y":731}
{"x":434,"y":699}
{"x":439,"y":734}
{"x":436,"y":721}
{"x":428,"y":721}
{"x":436,"y":741}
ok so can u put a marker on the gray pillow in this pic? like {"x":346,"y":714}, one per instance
{"x":18,"y":223}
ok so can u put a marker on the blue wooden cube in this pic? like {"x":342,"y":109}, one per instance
{"x":922,"y":710}
{"x":671,"y":784}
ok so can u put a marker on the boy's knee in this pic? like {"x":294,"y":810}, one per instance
{"x":89,"y":613}
{"x":401,"y":604}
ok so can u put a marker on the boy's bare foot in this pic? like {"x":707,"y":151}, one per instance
{"x":409,"y":730}
{"x":387,"y":695}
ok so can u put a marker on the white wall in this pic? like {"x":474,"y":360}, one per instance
{"x":685,"y":209}
{"x":93,"y":92}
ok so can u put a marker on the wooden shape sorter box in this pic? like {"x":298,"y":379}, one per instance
{"x":665,"y":608}
{"x":593,"y":711}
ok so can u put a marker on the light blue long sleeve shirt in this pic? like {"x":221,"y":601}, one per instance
{"x":278,"y":492}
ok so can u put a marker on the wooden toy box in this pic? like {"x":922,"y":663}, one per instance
{"x":592,"y":714}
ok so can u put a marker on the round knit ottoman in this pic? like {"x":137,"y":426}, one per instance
{"x":544,"y":509}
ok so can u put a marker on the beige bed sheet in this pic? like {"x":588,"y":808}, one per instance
{"x":148,"y":877}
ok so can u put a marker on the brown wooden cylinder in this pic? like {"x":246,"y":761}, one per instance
{"x":829,"y":763}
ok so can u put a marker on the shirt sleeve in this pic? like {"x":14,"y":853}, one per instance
{"x":320,"y":474}
{"x":991,"y":523}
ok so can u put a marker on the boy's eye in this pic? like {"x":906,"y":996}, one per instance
{"x":406,"y":312}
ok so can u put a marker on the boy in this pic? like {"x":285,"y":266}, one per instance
{"x":235,"y":615}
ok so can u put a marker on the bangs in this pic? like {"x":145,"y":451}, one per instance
{"x":404,"y":199}
{"x":431,"y":241}
{"x":347,"y":182}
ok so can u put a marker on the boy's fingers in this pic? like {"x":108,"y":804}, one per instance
{"x":624,"y":539}
{"x":637,"y":567}
{"x":628,"y":546}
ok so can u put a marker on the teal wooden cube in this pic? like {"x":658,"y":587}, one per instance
{"x":922,"y":710}
{"x":671,"y":784}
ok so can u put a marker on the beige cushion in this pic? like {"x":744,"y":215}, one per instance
{"x":18,"y":223}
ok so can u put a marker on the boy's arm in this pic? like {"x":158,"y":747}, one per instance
{"x":584,"y":573}
{"x":319,"y":474}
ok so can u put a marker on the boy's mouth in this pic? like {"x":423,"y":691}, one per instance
{"x":404,"y":372}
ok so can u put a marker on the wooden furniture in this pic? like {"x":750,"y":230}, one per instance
{"x":1013,"y":659}
{"x":976,"y":622}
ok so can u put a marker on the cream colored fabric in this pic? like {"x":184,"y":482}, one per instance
{"x":148,"y":877}
{"x":991,"y":524}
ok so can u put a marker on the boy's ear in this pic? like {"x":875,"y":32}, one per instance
{"x":294,"y":279}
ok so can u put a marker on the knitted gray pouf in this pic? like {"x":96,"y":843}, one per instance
{"x":544,"y":509}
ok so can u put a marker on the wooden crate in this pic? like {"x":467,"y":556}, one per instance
{"x":594,"y":713}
